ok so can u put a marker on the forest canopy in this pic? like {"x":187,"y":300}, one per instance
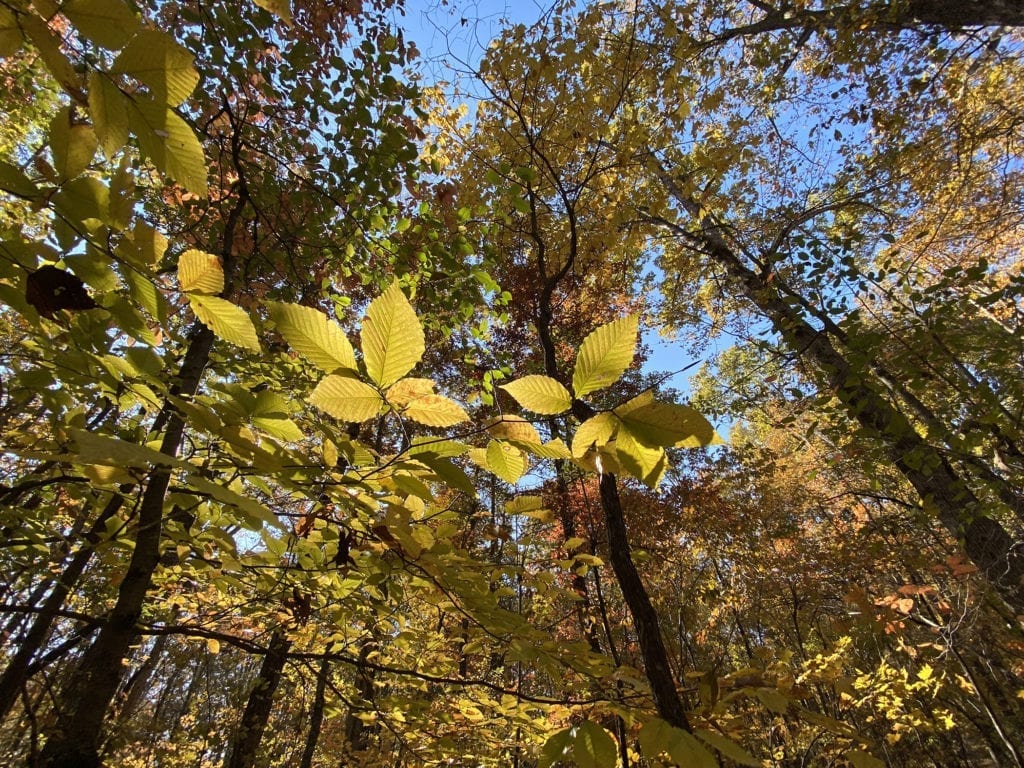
{"x":332,"y":433}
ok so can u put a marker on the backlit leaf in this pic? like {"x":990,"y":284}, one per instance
{"x":200,"y":272}
{"x":646,"y":463}
{"x":346,"y":398}
{"x":668,"y":424}
{"x":435,"y":411}
{"x":593,"y":746}
{"x":555,"y":748}
{"x":509,"y":427}
{"x":597,"y":430}
{"x":228,"y":321}
{"x":392,"y":337}
{"x":169,"y":143}
{"x":506,"y":461}
{"x":540,"y":394}
{"x":280,"y":8}
{"x":605,"y":355}
{"x":403,"y":392}
{"x":108,"y":107}
{"x":109,"y":23}
{"x":314,"y":336}
{"x":73,"y":145}
{"x":154,"y":58}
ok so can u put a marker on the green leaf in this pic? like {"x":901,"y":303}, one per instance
{"x":253,"y":512}
{"x":280,"y":8}
{"x":110,"y":451}
{"x":73,"y":145}
{"x":657,"y":736}
{"x":228,"y":321}
{"x":555,"y":748}
{"x":169,"y":143}
{"x":392,"y":337}
{"x":109,"y":110}
{"x":597,"y":430}
{"x":593,"y":746}
{"x":14,"y":180}
{"x":200,"y":272}
{"x":449,"y":472}
{"x":605,"y":355}
{"x":435,"y":411}
{"x":347,"y":398}
{"x":154,"y":58}
{"x":82,"y":199}
{"x":109,"y":23}
{"x":506,"y":461}
{"x":728,"y":748}
{"x":314,"y":336}
{"x":644,"y":462}
{"x":49,"y":46}
{"x":540,"y":394}
{"x":553,"y":449}
{"x":667,"y":425}
{"x":437,"y":447}
{"x":522,"y":505}
{"x":94,"y":268}
{"x":10,"y":34}
{"x":860,"y":759}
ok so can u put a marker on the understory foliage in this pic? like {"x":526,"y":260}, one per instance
{"x":330,"y":432}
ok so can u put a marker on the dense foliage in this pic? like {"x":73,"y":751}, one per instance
{"x":330,"y":436}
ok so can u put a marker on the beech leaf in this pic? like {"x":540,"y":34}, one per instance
{"x":605,"y":355}
{"x":540,"y":394}
{"x":346,"y":398}
{"x":227,"y":321}
{"x":392,"y":336}
{"x":313,"y":335}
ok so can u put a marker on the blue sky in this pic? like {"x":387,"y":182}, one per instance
{"x":455,"y":35}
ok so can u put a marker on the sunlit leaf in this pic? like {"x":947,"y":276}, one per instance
{"x":597,"y":430}
{"x":154,"y":58}
{"x":435,"y":411}
{"x":73,"y":145}
{"x":540,"y":394}
{"x":227,"y":321}
{"x":392,"y":336}
{"x":169,"y":143}
{"x":506,"y":461}
{"x":200,"y":272}
{"x":605,"y":355}
{"x":347,"y":398}
{"x":108,"y":107}
{"x":314,"y":336}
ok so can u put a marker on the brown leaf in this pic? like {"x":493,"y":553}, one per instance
{"x":50,"y":289}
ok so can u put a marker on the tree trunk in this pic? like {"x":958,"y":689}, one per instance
{"x":356,"y":732}
{"x":963,"y":13}
{"x":940,"y":489}
{"x":645,"y":617}
{"x":316,"y":715}
{"x":93,"y":684}
{"x":247,"y":740}
{"x":17,"y":671}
